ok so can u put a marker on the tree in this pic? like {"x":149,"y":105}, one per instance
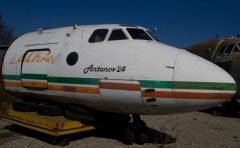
{"x":6,"y":33}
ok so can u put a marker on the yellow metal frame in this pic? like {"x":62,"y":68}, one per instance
{"x":54,"y":126}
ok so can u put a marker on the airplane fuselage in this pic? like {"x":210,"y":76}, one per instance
{"x":126,"y":73}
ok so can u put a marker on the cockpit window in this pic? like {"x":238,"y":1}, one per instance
{"x":236,"y":49}
{"x":98,"y":35}
{"x":222,"y":49}
{"x":153,"y":36}
{"x":117,"y":34}
{"x":138,"y":34}
{"x":226,"y":50}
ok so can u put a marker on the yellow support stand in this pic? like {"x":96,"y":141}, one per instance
{"x":54,"y":126}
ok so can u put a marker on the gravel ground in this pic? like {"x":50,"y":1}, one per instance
{"x":194,"y":129}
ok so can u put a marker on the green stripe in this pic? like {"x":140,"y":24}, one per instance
{"x":11,"y":77}
{"x":34,"y":76}
{"x":89,"y":81}
{"x":204,"y":85}
{"x":144,"y":83}
{"x":155,"y":84}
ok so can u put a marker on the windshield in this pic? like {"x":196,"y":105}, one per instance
{"x":226,"y":50}
{"x":138,"y":34}
{"x":153,"y":36}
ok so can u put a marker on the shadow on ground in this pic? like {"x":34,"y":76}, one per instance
{"x":155,"y":137}
{"x":229,"y":109}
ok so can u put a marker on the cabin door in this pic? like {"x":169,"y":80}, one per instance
{"x":34,"y":69}
{"x":120,"y":94}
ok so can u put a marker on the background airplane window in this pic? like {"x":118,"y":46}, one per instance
{"x":117,"y":35}
{"x":229,"y":49}
{"x":236,"y":49}
{"x":98,"y":35}
{"x":222,"y":49}
{"x":138,"y":34}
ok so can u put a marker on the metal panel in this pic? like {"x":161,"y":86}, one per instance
{"x":121,"y":94}
{"x":35,"y":68}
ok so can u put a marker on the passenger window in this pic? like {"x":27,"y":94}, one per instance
{"x":72,"y":58}
{"x":138,"y":34}
{"x":117,"y":35}
{"x":98,"y":35}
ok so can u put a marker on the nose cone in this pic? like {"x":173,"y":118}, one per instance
{"x":199,"y":84}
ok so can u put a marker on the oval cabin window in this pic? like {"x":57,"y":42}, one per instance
{"x":72,"y":58}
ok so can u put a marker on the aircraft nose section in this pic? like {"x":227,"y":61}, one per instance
{"x":200,"y":84}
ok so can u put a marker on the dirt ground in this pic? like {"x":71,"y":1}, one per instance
{"x":195,"y":129}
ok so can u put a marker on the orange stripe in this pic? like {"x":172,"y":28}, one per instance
{"x":187,"y":95}
{"x":89,"y":90}
{"x":120,"y":86}
{"x":135,"y":87}
{"x":12,"y":84}
{"x":35,"y":84}
{"x":195,"y":95}
{"x":158,"y":94}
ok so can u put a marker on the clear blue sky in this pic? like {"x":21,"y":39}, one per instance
{"x":179,"y":22}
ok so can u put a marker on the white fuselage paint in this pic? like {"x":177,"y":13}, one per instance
{"x":113,"y":76}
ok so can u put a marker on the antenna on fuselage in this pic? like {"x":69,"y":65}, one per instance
{"x":75,"y":26}
{"x":40,"y":30}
